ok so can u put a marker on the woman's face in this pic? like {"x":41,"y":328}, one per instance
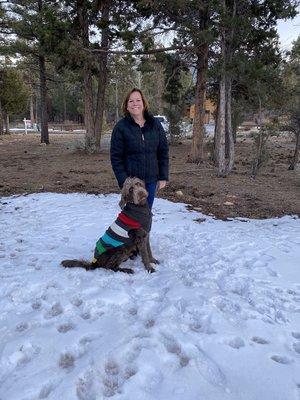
{"x":135,"y":105}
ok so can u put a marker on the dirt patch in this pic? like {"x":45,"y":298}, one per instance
{"x":26,"y":166}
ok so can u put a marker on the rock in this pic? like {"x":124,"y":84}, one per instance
{"x":179,"y":193}
{"x":199,"y":220}
{"x":228,"y":203}
{"x":198,"y":208}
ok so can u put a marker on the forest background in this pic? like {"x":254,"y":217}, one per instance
{"x":66,"y":65}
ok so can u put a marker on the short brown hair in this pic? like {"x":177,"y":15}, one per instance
{"x":125,"y":102}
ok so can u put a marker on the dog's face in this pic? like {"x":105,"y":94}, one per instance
{"x":133,"y":191}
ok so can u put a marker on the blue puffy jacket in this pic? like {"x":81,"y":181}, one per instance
{"x":141,"y":152}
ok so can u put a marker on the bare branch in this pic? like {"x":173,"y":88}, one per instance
{"x":139,"y":52}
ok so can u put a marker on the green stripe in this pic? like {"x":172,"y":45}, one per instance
{"x":101,"y":249}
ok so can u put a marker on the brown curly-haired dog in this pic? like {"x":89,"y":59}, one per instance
{"x":128,"y":235}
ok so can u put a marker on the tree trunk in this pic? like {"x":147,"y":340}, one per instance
{"x":43,"y":99}
{"x":258,"y":156}
{"x":103,"y":75}
{"x":31,"y":111}
{"x":229,"y":139}
{"x":94,"y":110}
{"x":229,"y":43}
{"x":196,"y":155}
{"x":220,"y":130}
{"x":117,"y":102}
{"x":43,"y":92}
{"x":37,"y":117}
{"x":221,"y":120}
{"x":259,"y":142}
{"x":1,"y":120}
{"x":6,"y":123}
{"x":296,"y":152}
{"x":65,"y":106}
{"x":90,"y":144}
{"x":224,"y":140}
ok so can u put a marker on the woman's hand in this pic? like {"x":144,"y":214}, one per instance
{"x":161,"y":184}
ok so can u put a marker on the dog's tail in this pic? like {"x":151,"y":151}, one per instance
{"x":77,"y":263}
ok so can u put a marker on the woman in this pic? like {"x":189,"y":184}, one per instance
{"x":139,"y":146}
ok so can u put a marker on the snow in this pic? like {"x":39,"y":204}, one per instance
{"x":219,"y":320}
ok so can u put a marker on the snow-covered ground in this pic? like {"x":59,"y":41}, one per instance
{"x":219,"y":320}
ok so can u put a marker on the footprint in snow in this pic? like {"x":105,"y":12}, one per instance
{"x":209,"y":368}
{"x":54,"y":311}
{"x":132,"y":311}
{"x":66,"y":361}
{"x":111,"y":368}
{"x":31,"y":264}
{"x":36,"y":305}
{"x":298,"y":390}
{"x":86,"y":315}
{"x":259,"y":340}
{"x":111,"y":380}
{"x":129,"y":372}
{"x":296,"y":347}
{"x":116,"y":374}
{"x":85,"y":389}
{"x":19,"y":249}
{"x":51,"y":246}
{"x":296,"y":335}
{"x":292,"y":292}
{"x":235,"y":343}
{"x":46,"y":390}
{"x":149,"y":323}
{"x":63,"y":328}
{"x":173,"y":347}
{"x":272,"y":273}
{"x":22,"y":326}
{"x":281,"y":359}
{"x":76,"y":301}
{"x":87,"y":339}
{"x":296,"y":299}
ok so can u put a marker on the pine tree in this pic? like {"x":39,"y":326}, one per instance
{"x":247,"y":45}
{"x":13,"y":94}
{"x":291,"y":76}
{"x":36,"y":30}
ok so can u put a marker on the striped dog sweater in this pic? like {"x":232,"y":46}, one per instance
{"x":132,"y":217}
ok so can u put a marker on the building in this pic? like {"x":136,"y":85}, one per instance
{"x":210,"y":109}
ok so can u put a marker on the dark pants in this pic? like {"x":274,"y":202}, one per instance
{"x":151,"y":189}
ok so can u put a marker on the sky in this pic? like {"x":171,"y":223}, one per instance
{"x":288,"y":31}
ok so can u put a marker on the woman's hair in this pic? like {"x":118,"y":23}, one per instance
{"x":125,"y":102}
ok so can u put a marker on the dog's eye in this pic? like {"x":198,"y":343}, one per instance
{"x":131,"y":190}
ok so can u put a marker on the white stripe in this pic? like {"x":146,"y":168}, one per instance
{"x":118,"y":230}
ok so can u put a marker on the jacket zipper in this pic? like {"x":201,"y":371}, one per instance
{"x":143,"y":139}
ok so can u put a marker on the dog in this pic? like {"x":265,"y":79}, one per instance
{"x":127,"y":236}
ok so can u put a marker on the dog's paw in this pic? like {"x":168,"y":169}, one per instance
{"x":154,"y":261}
{"x":150,"y":268}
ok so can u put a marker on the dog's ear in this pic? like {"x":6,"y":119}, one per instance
{"x":122,"y":203}
{"x":123,"y":200}
{"x":124,"y":194}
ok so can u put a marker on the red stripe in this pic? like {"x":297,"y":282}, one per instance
{"x":129,"y":221}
